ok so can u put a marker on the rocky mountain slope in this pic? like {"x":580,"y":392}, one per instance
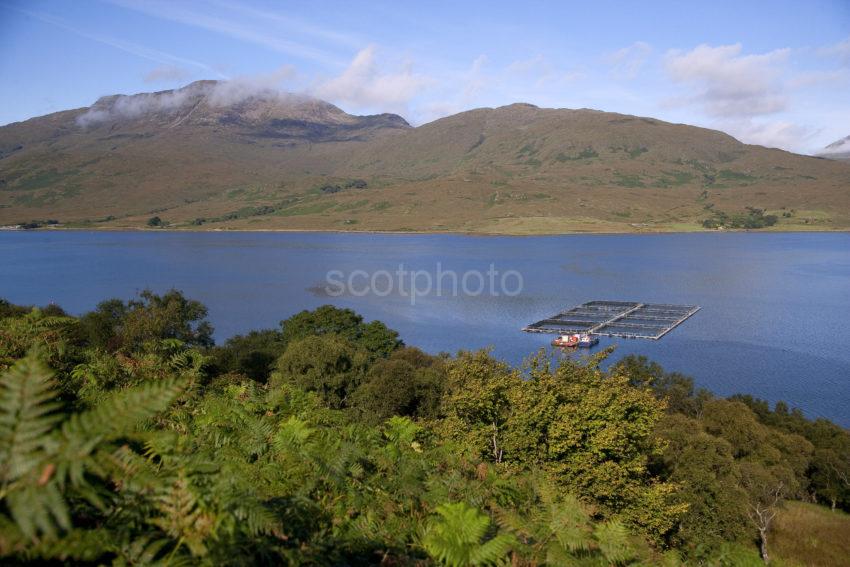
{"x":215,"y":155}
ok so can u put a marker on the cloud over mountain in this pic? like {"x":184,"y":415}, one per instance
{"x":727,"y":83}
{"x":364,"y":85}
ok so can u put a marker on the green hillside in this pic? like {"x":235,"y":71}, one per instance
{"x":204,"y":158}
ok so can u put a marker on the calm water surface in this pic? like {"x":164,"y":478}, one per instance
{"x":775,"y":318}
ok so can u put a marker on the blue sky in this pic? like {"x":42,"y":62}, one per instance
{"x":775,"y":73}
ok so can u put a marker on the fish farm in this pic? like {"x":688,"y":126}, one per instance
{"x":624,"y":319}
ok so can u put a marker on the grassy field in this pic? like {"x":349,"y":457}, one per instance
{"x":811,"y":535}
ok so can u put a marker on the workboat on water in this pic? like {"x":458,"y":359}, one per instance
{"x":580,"y":340}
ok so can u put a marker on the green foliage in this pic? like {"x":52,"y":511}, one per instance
{"x":591,"y":432}
{"x":586,"y":153}
{"x":253,"y":354}
{"x":36,"y":329}
{"x":677,"y":390}
{"x":736,"y":461}
{"x":48,"y":457}
{"x":675,"y":179}
{"x":628,"y":180}
{"x":375,"y":337}
{"x":154,"y":222}
{"x":8,"y":309}
{"x":409,"y":383}
{"x":752,"y":219}
{"x":125,"y":439}
{"x":557,"y":529}
{"x":829,"y":472}
{"x":703,"y":467}
{"x":457,"y":538}
{"x":128,"y":327}
{"x":729,"y":175}
{"x":329,"y":365}
{"x":337,"y":187}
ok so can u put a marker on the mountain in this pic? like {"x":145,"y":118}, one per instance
{"x":839,"y":149}
{"x":223,"y":155}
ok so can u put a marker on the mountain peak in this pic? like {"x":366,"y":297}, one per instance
{"x":240,"y":104}
{"x":518,"y":106}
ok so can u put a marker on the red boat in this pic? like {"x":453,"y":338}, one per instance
{"x":582,"y":340}
{"x":565,"y":341}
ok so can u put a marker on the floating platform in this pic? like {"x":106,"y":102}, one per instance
{"x":624,"y":319}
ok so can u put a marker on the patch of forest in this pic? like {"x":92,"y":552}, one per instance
{"x":127,"y":436}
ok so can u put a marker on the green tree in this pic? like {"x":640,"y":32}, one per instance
{"x":126,"y":327}
{"x":677,"y":390}
{"x":99,"y":327}
{"x":766,"y":491}
{"x":329,"y":365}
{"x":703,"y":467}
{"x":253,"y":354}
{"x":374,"y":337}
{"x":406,"y":384}
{"x":478,"y":402}
{"x":831,"y":475}
{"x":592,"y":432}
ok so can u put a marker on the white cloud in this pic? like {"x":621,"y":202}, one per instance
{"x":728,"y":84}
{"x":841,"y":146}
{"x":126,"y":46}
{"x":364,"y":86}
{"x":293,"y":25}
{"x":214,"y":93}
{"x":820,"y":78}
{"x":772,"y":134}
{"x":627,"y":62}
{"x":474,"y":82}
{"x":243,"y":31}
{"x":461,"y":91}
{"x":123,"y":106}
{"x":267,"y":85}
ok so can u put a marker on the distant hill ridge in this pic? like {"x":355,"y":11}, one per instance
{"x":839,"y":149}
{"x":228,"y":155}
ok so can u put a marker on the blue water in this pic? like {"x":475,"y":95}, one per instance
{"x":775,"y":318}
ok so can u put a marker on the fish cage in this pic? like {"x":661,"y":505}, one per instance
{"x":624,"y":319}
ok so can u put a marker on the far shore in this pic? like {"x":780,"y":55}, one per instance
{"x":419,"y":232}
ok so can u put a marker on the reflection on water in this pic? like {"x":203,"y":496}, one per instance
{"x":774,"y":306}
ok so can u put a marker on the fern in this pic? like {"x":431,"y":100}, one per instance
{"x":39,"y":455}
{"x":457,"y":538}
{"x":33,"y":330}
{"x":182,"y":519}
{"x":613,"y":540}
{"x":27,"y":413}
{"x":113,"y":418}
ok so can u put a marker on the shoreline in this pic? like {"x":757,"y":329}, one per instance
{"x":421,"y":232}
